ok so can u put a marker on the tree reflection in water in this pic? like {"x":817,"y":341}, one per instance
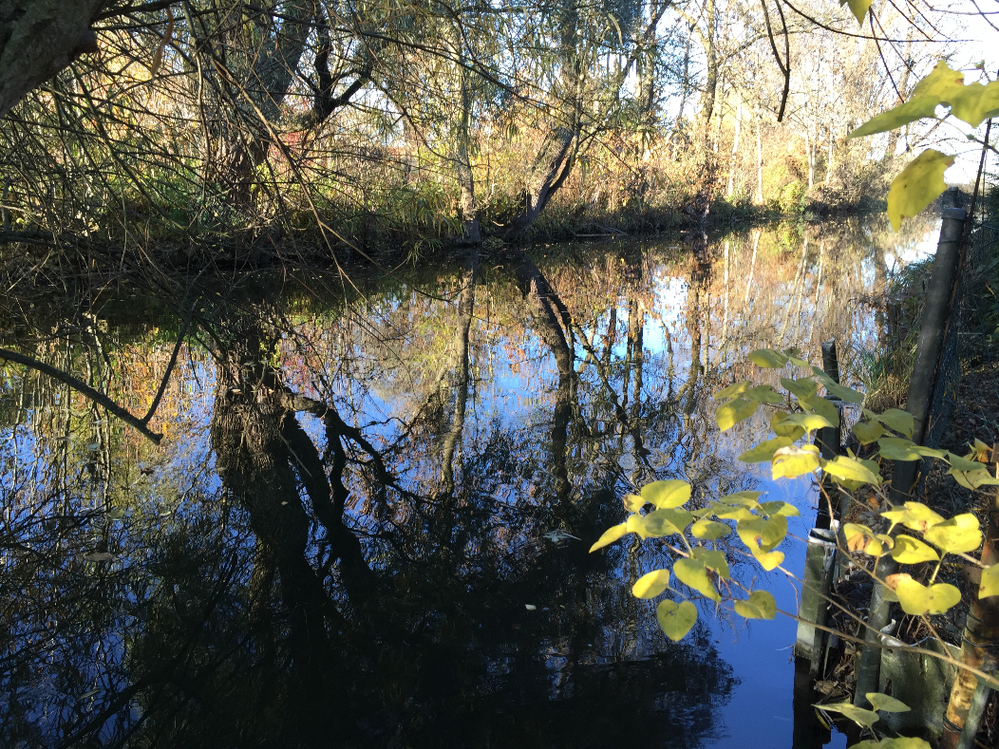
{"x":346,"y":544}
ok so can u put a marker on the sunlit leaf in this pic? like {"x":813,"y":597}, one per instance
{"x":676,"y":620}
{"x":909,"y":550}
{"x":736,"y":513}
{"x":903,"y":114}
{"x":667,"y":522}
{"x":941,"y":80}
{"x":866,"y":431}
{"x":859,"y":8}
{"x":666,"y":494}
{"x":974,"y":102}
{"x":782,"y":428}
{"x":990,"y":582}
{"x":767,"y":358}
{"x":694,"y":573}
{"x":733,"y":390}
{"x":636,"y":524}
{"x":894,"y":418}
{"x":731,"y":413}
{"x":713,"y":560}
{"x":819,"y":405}
{"x":916,"y":599}
{"x":762,"y":535}
{"x":780,"y":508}
{"x":809,"y":422}
{"x":769,"y":560}
{"x":765,"y":450}
{"x":974,"y":479}
{"x":894,"y":448}
{"x":651,"y":585}
{"x":760,"y":605}
{"x":747,"y":498}
{"x":803,"y":388}
{"x":709,"y":530}
{"x":633,"y":503}
{"x":958,"y":534}
{"x":858,"y":715}
{"x":857,"y":536}
{"x":610,"y":536}
{"x":887,"y":703}
{"x":791,"y":462}
{"x":851,"y":469}
{"x":913,"y":515}
{"x":917,"y":186}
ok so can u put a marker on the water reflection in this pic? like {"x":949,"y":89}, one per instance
{"x":368,"y":521}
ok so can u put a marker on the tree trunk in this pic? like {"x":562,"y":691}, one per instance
{"x":38,"y":38}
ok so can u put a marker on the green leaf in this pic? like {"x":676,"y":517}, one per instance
{"x":917,"y":186}
{"x":760,"y":605}
{"x":959,"y":534}
{"x":909,"y":550}
{"x":887,"y":703}
{"x":767,"y":358}
{"x":903,"y":114}
{"x":868,"y":431}
{"x":765,"y":450}
{"x":763,"y":394}
{"x":694,"y":573}
{"x":901,"y":421}
{"x":963,"y":464}
{"x":709,"y":530}
{"x":913,"y":515}
{"x":713,"y":560}
{"x":738,"y":514}
{"x":666,"y":494}
{"x":850,"y":469}
{"x":975,"y":102}
{"x":667,"y":522}
{"x":917,"y":599}
{"x":845,"y":394}
{"x":859,"y":8}
{"x":733,"y":390}
{"x":791,"y":462}
{"x":651,"y":585}
{"x":990,"y":582}
{"x":676,"y":620}
{"x":819,"y":405}
{"x":858,"y":715}
{"x":893,"y":448}
{"x":610,"y":536}
{"x":802,"y":388}
{"x":731,"y":413}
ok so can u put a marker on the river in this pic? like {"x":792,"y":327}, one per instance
{"x":368,"y":519}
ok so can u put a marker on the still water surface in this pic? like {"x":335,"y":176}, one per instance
{"x":368,"y":520}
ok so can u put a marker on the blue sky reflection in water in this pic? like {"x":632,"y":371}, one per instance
{"x":395,"y":571}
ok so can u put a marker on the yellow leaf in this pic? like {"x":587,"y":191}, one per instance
{"x":713,"y":560}
{"x":610,"y":536}
{"x":694,"y":573}
{"x":651,"y":585}
{"x":667,"y":522}
{"x":957,"y":535}
{"x":666,"y":494}
{"x":887,"y":703}
{"x":765,"y":450}
{"x":909,"y":550}
{"x":913,"y":515}
{"x":859,"y":8}
{"x":917,"y":186}
{"x":974,"y":103}
{"x":903,"y":114}
{"x":676,"y":620}
{"x":760,"y":605}
{"x":851,"y":469}
{"x":731,"y":413}
{"x":767,"y":358}
{"x":990,"y":582}
{"x":770,"y":560}
{"x":709,"y":530}
{"x":857,"y":536}
{"x":733,"y":390}
{"x":940,"y":82}
{"x":791,"y":462}
{"x":917,"y":599}
{"x":633,"y":503}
